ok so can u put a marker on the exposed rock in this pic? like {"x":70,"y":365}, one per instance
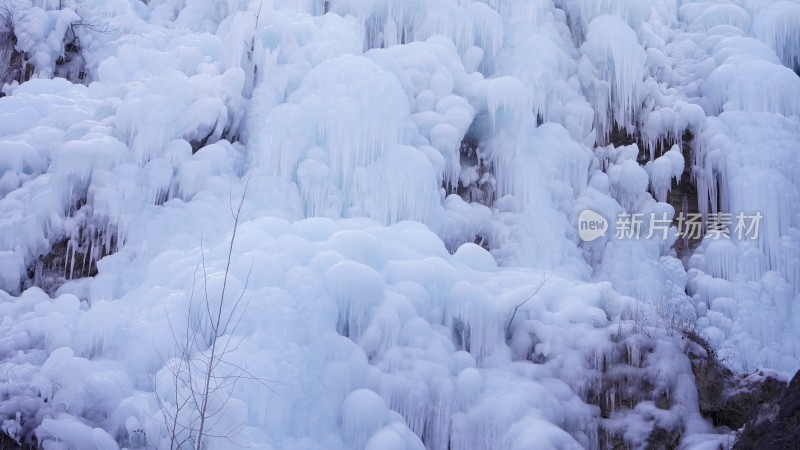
{"x":627,"y":382}
{"x":683,"y":197}
{"x":751,"y":395}
{"x":663,"y":439}
{"x":726,"y":398}
{"x":608,"y":441}
{"x":6,"y":443}
{"x":776,"y":425}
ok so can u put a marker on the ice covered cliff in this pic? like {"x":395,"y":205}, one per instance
{"x":415,"y":173}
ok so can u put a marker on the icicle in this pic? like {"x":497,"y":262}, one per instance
{"x":488,"y":33}
{"x":721,"y":14}
{"x":401,"y":186}
{"x":357,"y":124}
{"x":613,"y":50}
{"x":402,"y":19}
{"x":720,"y":257}
{"x":363,"y":413}
{"x":12,"y":267}
{"x":480,"y":331}
{"x":663,"y":170}
{"x":358,"y":289}
{"x":70,"y":259}
{"x":321,"y":198}
{"x":507,"y":101}
{"x":779,"y":25}
{"x":450,"y":20}
{"x":281,"y":146}
{"x":660,"y":172}
{"x":409,"y":397}
{"x":628,"y":182}
{"x":440,"y":410}
{"x":757,"y":86}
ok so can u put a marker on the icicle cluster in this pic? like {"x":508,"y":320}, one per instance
{"x":614,"y":70}
{"x":779,"y":25}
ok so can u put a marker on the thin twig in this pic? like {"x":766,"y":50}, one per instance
{"x":517,"y":307}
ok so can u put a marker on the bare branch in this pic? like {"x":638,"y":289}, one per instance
{"x":517,"y":307}
{"x":203,"y":380}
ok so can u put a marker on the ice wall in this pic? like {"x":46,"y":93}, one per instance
{"x":743,"y":164}
{"x":383,"y":309}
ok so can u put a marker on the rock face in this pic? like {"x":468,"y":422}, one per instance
{"x":730,"y":399}
{"x":776,"y":426}
{"x":751,"y":395}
